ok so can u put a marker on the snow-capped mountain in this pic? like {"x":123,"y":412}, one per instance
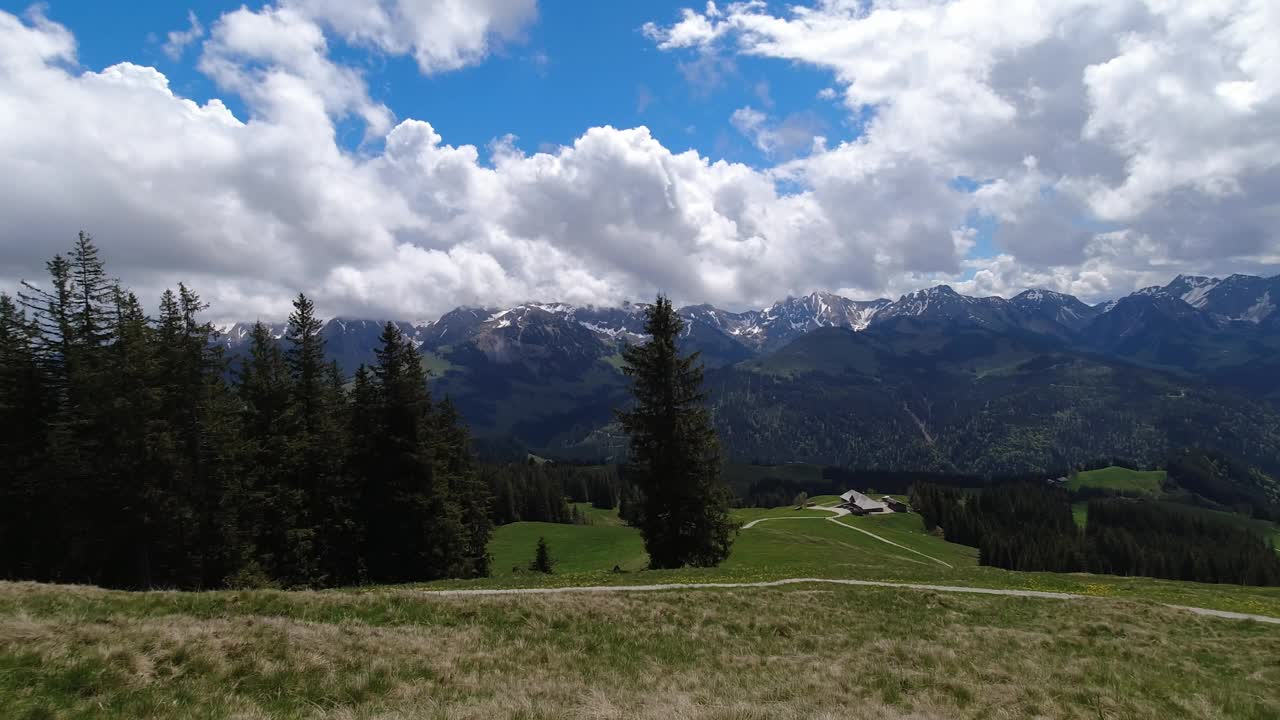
{"x":1049,"y":310}
{"x":942,"y":303}
{"x":1245,"y":298}
{"x":235,"y":334}
{"x":1191,"y":289}
{"x":788,"y":319}
{"x":1188,"y":304}
{"x":721,"y":335}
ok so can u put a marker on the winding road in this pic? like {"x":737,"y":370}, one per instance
{"x":839,"y":513}
{"x":828,"y":581}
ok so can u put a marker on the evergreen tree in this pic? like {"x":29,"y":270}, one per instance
{"x":24,"y":506}
{"x":337,"y":501}
{"x":130,"y":461}
{"x":471,"y":492}
{"x":414,"y":529}
{"x":309,"y":446}
{"x":269,"y":508}
{"x":542,"y":560}
{"x":675,"y":456}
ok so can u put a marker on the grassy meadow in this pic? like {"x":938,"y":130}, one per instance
{"x":1145,"y":482}
{"x":800,"y":651}
{"x":820,"y":548}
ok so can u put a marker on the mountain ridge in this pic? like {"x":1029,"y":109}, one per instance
{"x":737,"y":335}
{"x":905,"y":383}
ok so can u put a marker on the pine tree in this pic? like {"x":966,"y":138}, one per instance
{"x":471,"y":493}
{"x":542,"y":560}
{"x":24,"y":520}
{"x":337,"y":499}
{"x":308,"y":447}
{"x":675,"y":457}
{"x":138,"y":467}
{"x":414,"y":529}
{"x":269,"y":505}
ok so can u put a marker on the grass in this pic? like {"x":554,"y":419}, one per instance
{"x":802,"y":652}
{"x":746,"y":515}
{"x":825,"y":500}
{"x":821,"y":549}
{"x":793,"y":652}
{"x":575,"y":548}
{"x":1146,"y":482}
{"x":1080,"y":513}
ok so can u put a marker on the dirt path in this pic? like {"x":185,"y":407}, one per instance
{"x":829,"y":581}
{"x":885,"y":540}
{"x":839,"y":513}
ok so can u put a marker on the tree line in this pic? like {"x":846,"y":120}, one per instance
{"x":543,"y":492}
{"x":133,"y":456}
{"x":1030,"y":527}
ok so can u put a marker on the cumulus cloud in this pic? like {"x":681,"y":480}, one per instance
{"x":1150,"y":124}
{"x":1046,"y":107}
{"x":441,"y":35}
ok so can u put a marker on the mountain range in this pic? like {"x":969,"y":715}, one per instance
{"x":909,"y":372}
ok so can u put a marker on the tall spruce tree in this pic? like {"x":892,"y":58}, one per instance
{"x":309,"y":446}
{"x":269,"y":506}
{"x":412,"y":513}
{"x":675,"y":456}
{"x":468,"y":490}
{"x":24,"y":505}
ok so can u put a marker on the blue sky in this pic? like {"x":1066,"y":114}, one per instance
{"x":989,"y":149}
{"x":580,"y":65}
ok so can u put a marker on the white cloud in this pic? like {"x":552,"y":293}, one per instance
{"x":441,"y":35}
{"x":1047,"y":106}
{"x":794,"y":135}
{"x":251,"y":210}
{"x":1157,"y":118}
{"x":278,"y":59}
{"x":178,"y":40}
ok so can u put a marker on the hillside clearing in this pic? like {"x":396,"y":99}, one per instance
{"x":775,"y":550}
{"x":1146,"y":482}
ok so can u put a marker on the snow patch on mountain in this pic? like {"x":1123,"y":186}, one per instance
{"x":1199,"y":288}
{"x":1261,"y":311}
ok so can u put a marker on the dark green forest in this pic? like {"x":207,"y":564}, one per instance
{"x":1029,"y":527}
{"x":134,"y":457}
{"x":968,"y":400}
{"x":542,"y":492}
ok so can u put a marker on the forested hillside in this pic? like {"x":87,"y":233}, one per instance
{"x":1029,"y":526}
{"x":933,"y":381}
{"x":970,"y":400}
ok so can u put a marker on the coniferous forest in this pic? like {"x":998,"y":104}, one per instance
{"x":1029,"y":527}
{"x":133,"y":456}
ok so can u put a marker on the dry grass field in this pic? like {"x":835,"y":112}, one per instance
{"x":800,"y":652}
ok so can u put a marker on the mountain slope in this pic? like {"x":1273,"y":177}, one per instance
{"x":975,"y":401}
{"x":935,"y":379}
